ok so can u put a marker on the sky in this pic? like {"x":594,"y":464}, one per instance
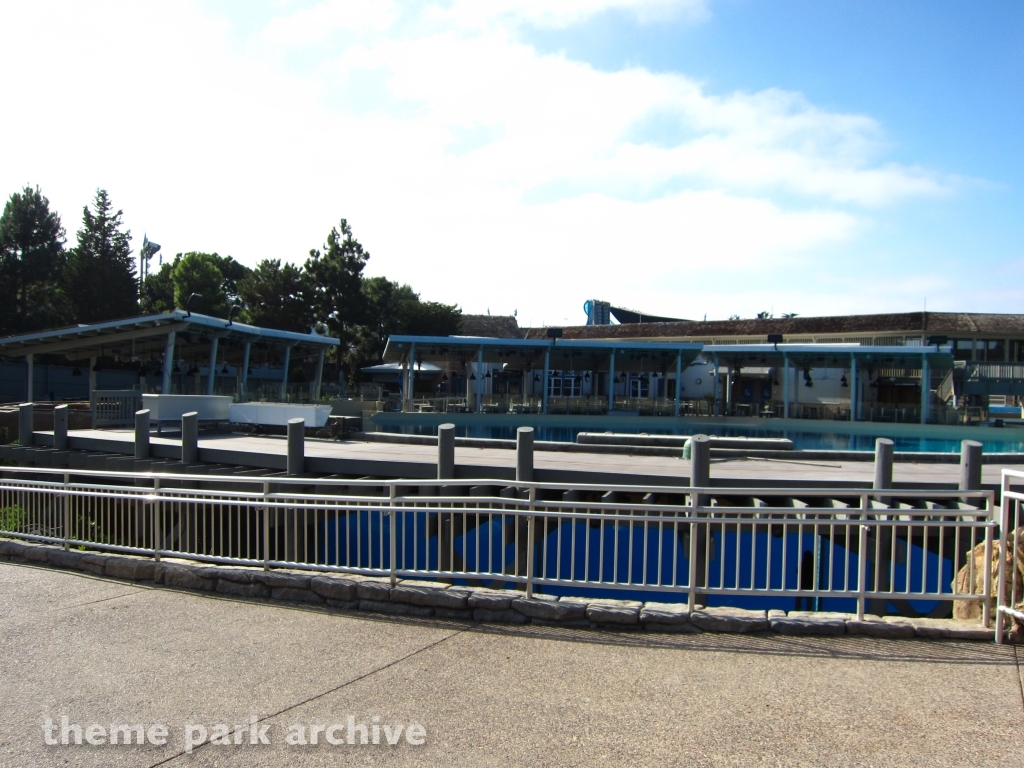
{"x":687,"y":158}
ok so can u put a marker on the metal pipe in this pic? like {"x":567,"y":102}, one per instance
{"x":168,"y":367}
{"x":211,"y":379}
{"x":785,"y":385}
{"x":679,"y":383}
{"x":544,"y":384}
{"x":854,"y":389}
{"x":480,"y":379}
{"x":318,"y":379}
{"x":243,"y":390}
{"x":611,"y":381}
{"x":30,"y":389}
{"x":284,"y":375}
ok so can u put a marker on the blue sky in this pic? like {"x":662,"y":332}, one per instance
{"x":684,"y":157}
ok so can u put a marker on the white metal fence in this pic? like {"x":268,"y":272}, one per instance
{"x":857,"y":545}
{"x":1009,"y":589}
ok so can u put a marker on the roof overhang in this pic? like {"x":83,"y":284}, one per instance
{"x":563,"y":354}
{"x":84,"y":340}
{"x":828,"y":355}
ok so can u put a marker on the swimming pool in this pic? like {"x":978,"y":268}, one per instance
{"x":1008,"y":440}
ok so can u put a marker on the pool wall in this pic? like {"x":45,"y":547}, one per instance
{"x":940,"y":435}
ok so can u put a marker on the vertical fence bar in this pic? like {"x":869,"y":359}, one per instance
{"x":158,"y":522}
{"x":266,"y":527}
{"x":691,"y":597}
{"x":986,"y":608}
{"x":66,"y":513}
{"x":862,"y":572}
{"x":529,"y":544}
{"x":1004,"y":528}
{"x":392,"y":492}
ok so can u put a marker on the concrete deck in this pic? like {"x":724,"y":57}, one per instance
{"x":102,"y":651}
{"x":417,"y":461}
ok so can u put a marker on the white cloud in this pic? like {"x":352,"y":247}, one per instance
{"x":565,"y":13}
{"x":312,"y":25}
{"x":470,"y":165}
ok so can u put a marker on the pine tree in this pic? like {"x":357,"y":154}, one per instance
{"x":31,"y":264}
{"x":334,"y":282}
{"x":100,"y":277}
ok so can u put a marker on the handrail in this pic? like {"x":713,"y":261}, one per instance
{"x":689,"y":541}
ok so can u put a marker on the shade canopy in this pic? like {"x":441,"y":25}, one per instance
{"x":827,"y":355}
{"x":455,"y":352}
{"x":143,"y":338}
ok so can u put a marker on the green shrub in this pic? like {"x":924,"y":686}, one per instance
{"x":12,"y":518}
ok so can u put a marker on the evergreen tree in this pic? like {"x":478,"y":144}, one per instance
{"x":393,"y":308}
{"x":31,"y":264}
{"x":275,"y":295}
{"x":200,"y":273}
{"x":100,"y":277}
{"x":334,"y":282}
{"x":158,"y":291}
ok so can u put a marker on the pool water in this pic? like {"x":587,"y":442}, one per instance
{"x":802,"y":441}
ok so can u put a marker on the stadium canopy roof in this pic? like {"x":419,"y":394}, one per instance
{"x":143,"y":338}
{"x":452,"y":352}
{"x":828,"y":355}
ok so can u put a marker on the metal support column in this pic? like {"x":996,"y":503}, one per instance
{"x":611,"y":382}
{"x":284,"y":375}
{"x":926,"y":387}
{"x":319,"y":378}
{"x":165,"y":385}
{"x":410,"y":379}
{"x":92,"y":389}
{"x":243,"y":389}
{"x":679,"y":383}
{"x":30,"y":370}
{"x":544,"y":383}
{"x":212,"y":378}
{"x":480,"y":380}
{"x":785,"y":386}
{"x":716,"y":385}
{"x":854,"y":389}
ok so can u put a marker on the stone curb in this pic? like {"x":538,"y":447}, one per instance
{"x":430,"y":599}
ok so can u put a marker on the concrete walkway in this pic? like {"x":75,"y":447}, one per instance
{"x":380,"y":458}
{"x":101,"y":651}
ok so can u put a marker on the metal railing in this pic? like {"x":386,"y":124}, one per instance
{"x":769,"y":543}
{"x":1009,"y":595}
{"x":115,"y":407}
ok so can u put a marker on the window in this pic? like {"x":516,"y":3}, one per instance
{"x":638,"y":386}
{"x":992,"y":350}
{"x":565,"y":385}
{"x":963,"y":349}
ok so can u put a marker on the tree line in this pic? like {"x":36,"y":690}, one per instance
{"x":45,"y":284}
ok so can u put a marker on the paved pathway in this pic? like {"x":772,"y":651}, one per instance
{"x":764,"y":469}
{"x":102,"y":651}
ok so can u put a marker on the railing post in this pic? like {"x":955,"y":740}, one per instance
{"x":986,"y":609}
{"x":1004,"y":531}
{"x":691,"y":598}
{"x":158,"y":524}
{"x":266,"y":527}
{"x":862,"y":572}
{"x":65,"y":512}
{"x":529,"y":544}
{"x":60,"y":427}
{"x":392,"y":494}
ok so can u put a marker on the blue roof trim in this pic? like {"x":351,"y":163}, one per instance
{"x":91,"y":331}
